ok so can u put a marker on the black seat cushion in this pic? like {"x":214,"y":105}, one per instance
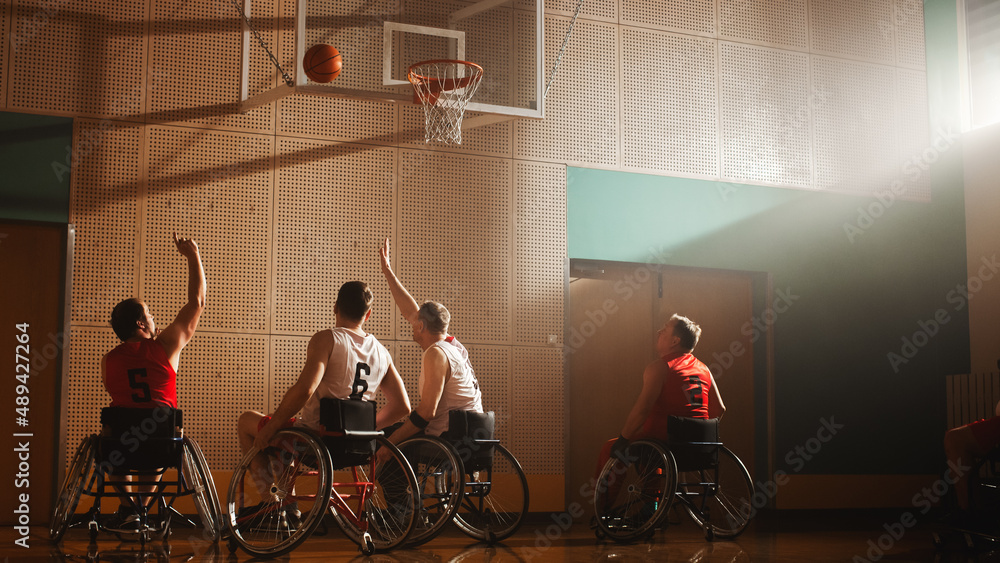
{"x":139,"y":439}
{"x":471,"y":433}
{"x":694,"y":442}
{"x":345,"y":415}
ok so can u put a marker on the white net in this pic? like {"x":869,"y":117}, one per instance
{"x":444,"y":88}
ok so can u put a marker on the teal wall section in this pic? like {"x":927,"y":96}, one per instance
{"x":878,"y":314}
{"x":34,"y":184}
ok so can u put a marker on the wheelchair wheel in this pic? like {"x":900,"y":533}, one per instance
{"x":387,"y":516}
{"x":278,"y":496}
{"x":79,"y":479}
{"x":631,"y":498}
{"x":720,"y":500}
{"x":494,"y":501}
{"x":198,"y":479}
{"x":439,"y":480}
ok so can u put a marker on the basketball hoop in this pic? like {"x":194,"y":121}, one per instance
{"x":444,"y":87}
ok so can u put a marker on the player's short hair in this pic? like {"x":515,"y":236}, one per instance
{"x":687,"y":330}
{"x":435,"y":317}
{"x":354,"y":300}
{"x":124,"y":316}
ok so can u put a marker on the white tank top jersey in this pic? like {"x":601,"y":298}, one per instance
{"x":461,"y":390}
{"x":357,"y":365}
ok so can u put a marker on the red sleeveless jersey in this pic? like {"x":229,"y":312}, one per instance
{"x":684,"y":393}
{"x":139,"y":375}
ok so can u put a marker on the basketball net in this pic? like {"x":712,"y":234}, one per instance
{"x":444,"y":87}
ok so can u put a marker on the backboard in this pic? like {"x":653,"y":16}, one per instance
{"x":379,"y":40}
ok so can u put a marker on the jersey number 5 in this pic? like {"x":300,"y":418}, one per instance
{"x":144,"y":396}
{"x":359,"y":386}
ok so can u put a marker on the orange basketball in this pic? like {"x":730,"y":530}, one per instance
{"x":322,"y":63}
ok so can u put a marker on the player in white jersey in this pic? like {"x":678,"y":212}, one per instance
{"x":447,"y":381}
{"x":341,"y":362}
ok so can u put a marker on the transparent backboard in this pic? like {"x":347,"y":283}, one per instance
{"x":379,"y":39}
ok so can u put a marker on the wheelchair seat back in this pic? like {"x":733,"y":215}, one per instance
{"x":141,"y":440}
{"x":471,"y":433}
{"x":694,"y":442}
{"x":346,"y":415}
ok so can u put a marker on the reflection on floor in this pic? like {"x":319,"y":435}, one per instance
{"x":787,"y":536}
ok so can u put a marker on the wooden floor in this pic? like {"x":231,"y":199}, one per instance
{"x":848,"y":536}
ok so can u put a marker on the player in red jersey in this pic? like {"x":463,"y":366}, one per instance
{"x":141,"y":372}
{"x":677,"y":384}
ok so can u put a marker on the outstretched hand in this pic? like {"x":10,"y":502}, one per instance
{"x":384,"y":254}
{"x":187,"y":247}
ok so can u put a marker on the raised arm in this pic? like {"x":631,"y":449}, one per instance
{"x":407,"y":305}
{"x":176,"y":336}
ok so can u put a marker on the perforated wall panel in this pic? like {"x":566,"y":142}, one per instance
{"x":196,"y":51}
{"x":455,"y":240}
{"x":669,"y":107}
{"x":487,"y":140}
{"x":334,"y":207}
{"x":766,"y":115}
{"x":914,"y":133}
{"x":6,"y":16}
{"x":85,"y":58}
{"x":581,"y":110}
{"x":288,"y":356}
{"x":779,"y":24}
{"x":539,"y":252}
{"x":592,"y":9}
{"x":216,"y":188}
{"x":104,"y":208}
{"x":538,"y":410}
{"x":692,"y":16}
{"x":909,"y":28}
{"x":220,"y":376}
{"x":859,"y":29}
{"x":855,"y":132}
{"x":85,"y":390}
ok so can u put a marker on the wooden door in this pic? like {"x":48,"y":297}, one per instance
{"x":614,"y":312}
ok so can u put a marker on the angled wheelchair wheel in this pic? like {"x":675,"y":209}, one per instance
{"x":198,"y":478}
{"x":495,"y":500}
{"x":719,"y":500}
{"x":632,"y":496}
{"x":439,"y":479}
{"x":79,"y":479}
{"x":381,"y":501}
{"x":278,"y":496}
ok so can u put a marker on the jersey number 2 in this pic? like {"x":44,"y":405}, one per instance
{"x":144,"y":396}
{"x":359,"y":386}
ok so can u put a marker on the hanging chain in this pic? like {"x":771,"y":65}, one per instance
{"x":562,"y":51}
{"x":288,"y":79}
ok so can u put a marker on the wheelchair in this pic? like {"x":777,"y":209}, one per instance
{"x":141,"y":445}
{"x":278,"y":496}
{"x":984,"y":506}
{"x":692,"y":469}
{"x":467,"y":477}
